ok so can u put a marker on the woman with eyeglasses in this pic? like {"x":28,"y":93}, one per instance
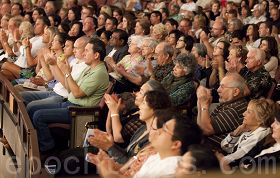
{"x":249,"y":138}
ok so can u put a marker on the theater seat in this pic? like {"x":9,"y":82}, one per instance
{"x":80,"y":117}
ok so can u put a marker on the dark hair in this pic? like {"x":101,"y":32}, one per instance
{"x":189,"y":42}
{"x":62,"y":38}
{"x":203,"y":158}
{"x":99,"y":47}
{"x":122,"y":35}
{"x":155,"y":85}
{"x":225,"y":49}
{"x":255,"y":31}
{"x":157,"y":99}
{"x":107,"y":34}
{"x":56,"y":19}
{"x":186,"y":131}
{"x":130,"y":17}
{"x":172,"y":22}
{"x":71,"y":38}
{"x":40,"y":11}
{"x":238,"y":34}
{"x":163,"y":115}
{"x":81,"y":33}
{"x":118,"y":10}
{"x":177,"y":34}
{"x":272,"y":45}
{"x":275,"y":2}
{"x":114,"y":20}
{"x":45,"y":20}
{"x":233,"y":12}
{"x":268,"y":25}
{"x":20,"y":8}
{"x":77,"y":12}
{"x":65,"y":26}
{"x":157,"y":13}
{"x":145,"y":24}
{"x":128,"y":99}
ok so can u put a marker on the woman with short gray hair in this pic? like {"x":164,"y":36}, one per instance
{"x":180,"y":83}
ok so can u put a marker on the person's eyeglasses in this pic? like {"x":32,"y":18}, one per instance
{"x":165,"y":129}
{"x":222,"y":86}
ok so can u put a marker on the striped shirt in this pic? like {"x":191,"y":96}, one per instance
{"x":225,"y":118}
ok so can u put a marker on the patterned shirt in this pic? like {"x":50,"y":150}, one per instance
{"x":259,"y":83}
{"x":162,"y":71}
{"x":225,"y":118}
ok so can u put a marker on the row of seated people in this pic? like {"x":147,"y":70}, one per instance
{"x":174,"y":60}
{"x":37,"y":102}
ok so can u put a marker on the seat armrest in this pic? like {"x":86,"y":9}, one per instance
{"x":78,"y":109}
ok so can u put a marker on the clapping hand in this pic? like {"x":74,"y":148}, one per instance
{"x":101,"y":140}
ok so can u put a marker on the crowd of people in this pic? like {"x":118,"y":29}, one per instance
{"x":195,"y":83}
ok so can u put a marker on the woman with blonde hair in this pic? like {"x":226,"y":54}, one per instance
{"x":159,"y":32}
{"x":248,"y":138}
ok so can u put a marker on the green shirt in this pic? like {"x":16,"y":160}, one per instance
{"x":93,"y":83}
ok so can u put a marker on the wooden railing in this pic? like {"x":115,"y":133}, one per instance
{"x":19,"y":156}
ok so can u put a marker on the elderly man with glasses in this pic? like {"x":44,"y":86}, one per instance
{"x":228,"y":115}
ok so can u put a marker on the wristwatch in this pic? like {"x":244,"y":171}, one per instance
{"x":204,"y":109}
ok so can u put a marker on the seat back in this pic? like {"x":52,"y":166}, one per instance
{"x":81,"y":116}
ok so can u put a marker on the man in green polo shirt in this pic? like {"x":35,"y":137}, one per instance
{"x":86,"y":91}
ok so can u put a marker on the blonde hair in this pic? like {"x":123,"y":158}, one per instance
{"x":160,"y":29}
{"x":107,"y":10}
{"x":53,"y":31}
{"x":27,"y":29}
{"x":265,"y":110}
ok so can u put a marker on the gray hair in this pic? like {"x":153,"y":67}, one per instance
{"x":259,"y":53}
{"x":237,"y":23}
{"x":151,"y":42}
{"x":201,"y":49}
{"x":237,"y":81}
{"x":187,"y":61}
{"x":167,"y":49}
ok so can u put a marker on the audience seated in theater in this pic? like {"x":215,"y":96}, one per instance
{"x":43,"y":73}
{"x":171,"y":142}
{"x":259,"y":82}
{"x":124,"y":71}
{"x":180,"y":82}
{"x":59,"y":92}
{"x":164,"y":55}
{"x":117,"y":47}
{"x":271,"y":153}
{"x":248,"y":138}
{"x":87,"y":90}
{"x":152,"y":101}
{"x":25,"y":65}
{"x":123,"y":116}
{"x":228,"y":115}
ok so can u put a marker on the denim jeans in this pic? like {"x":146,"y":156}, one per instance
{"x":35,"y":99}
{"x":49,"y":113}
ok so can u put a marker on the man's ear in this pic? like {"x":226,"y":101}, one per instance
{"x":176,"y":145}
{"x":96,"y":56}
